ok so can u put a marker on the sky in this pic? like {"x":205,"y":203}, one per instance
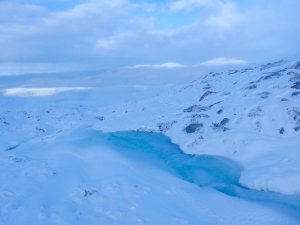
{"x":113,"y":33}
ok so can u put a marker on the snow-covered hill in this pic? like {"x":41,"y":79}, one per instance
{"x":251,"y":115}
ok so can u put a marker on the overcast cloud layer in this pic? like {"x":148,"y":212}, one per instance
{"x":124,"y":33}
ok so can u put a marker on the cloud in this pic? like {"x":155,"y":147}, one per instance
{"x":12,"y":12}
{"x":187,"y":5}
{"x":112,"y":42}
{"x":124,"y":32}
{"x":226,"y":18}
{"x":212,"y":14}
{"x":64,"y":34}
{"x":223,"y":62}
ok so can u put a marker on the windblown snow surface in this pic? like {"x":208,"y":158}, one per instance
{"x":93,"y":148}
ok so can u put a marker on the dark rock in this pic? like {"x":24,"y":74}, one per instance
{"x":190,"y":109}
{"x":221,"y":126}
{"x":296,"y":76}
{"x":220,"y":111}
{"x":257,"y":112}
{"x":40,"y":129}
{"x":217,"y":127}
{"x":193,"y":127}
{"x":206,"y":94}
{"x":271,"y":75}
{"x":296,"y":85}
{"x":246,"y":70}
{"x":292,"y":73}
{"x":283,"y":70}
{"x":251,"y":87}
{"x":284,"y":99}
{"x":230,"y":72}
{"x":294,"y":113}
{"x":215,"y":74}
{"x":2,"y":119}
{"x":297,"y":66}
{"x":163,"y":127}
{"x":100,"y":118}
{"x":270,"y":65}
{"x":264,"y":94}
{"x":216,"y":103}
{"x":11,"y":148}
{"x":18,"y":159}
{"x":224,"y":121}
{"x":281,"y":130}
{"x":196,"y":108}
{"x":197,"y":116}
{"x":89,"y":192}
{"x":295,"y":93}
{"x":258,"y":126}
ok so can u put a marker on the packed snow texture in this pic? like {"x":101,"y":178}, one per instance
{"x":79,"y":178}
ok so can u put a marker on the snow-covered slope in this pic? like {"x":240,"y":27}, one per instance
{"x":77,"y":178}
{"x":251,"y":115}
